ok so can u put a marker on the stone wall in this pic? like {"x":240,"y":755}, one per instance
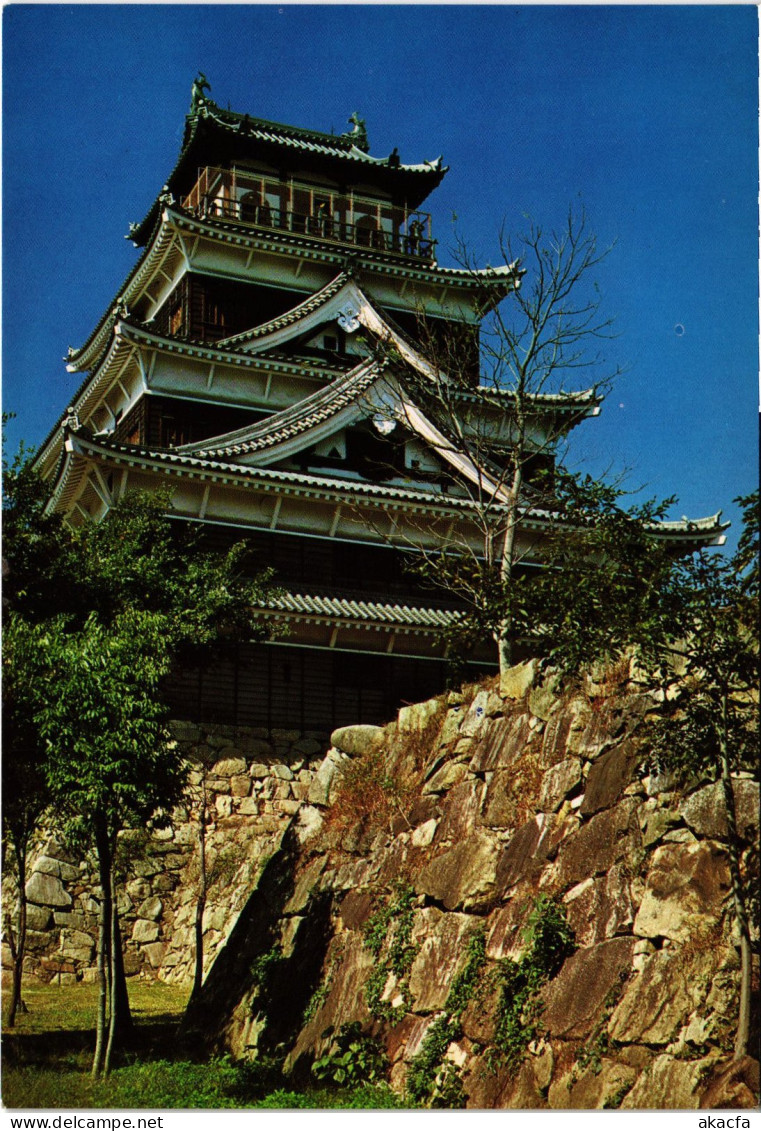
{"x":252,"y":782}
{"x":477,"y":806}
{"x":469,"y":807}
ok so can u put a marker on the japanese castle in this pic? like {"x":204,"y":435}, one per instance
{"x":259,"y":361}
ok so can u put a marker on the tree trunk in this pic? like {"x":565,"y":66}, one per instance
{"x":18,"y":946}
{"x":119,"y":995}
{"x":738,"y":895}
{"x":113,"y":1020}
{"x":103,"y":849}
{"x":505,"y":634}
{"x":201,"y":902}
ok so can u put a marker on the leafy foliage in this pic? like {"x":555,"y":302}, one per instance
{"x":96,"y":616}
{"x":431,"y":1079}
{"x":353,"y":1058}
{"x":549,"y":941}
{"x":388,"y":936}
{"x":709,"y":632}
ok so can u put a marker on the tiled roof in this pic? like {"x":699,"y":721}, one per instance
{"x":313,"y":302}
{"x":312,"y":141}
{"x":703,"y":531}
{"x":299,"y":482}
{"x":375,"y":612}
{"x":211,"y":124}
{"x":321,"y":405}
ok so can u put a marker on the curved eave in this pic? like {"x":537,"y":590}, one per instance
{"x":290,"y":317}
{"x":216,"y":137}
{"x":302,"y":417}
{"x":88,"y":355}
{"x":585,"y":402}
{"x":493,"y":285}
{"x":84,"y":448}
{"x":140,"y":336}
{"x":692,"y":533}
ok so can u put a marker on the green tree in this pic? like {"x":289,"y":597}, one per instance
{"x":140,"y":594}
{"x":25,"y":789}
{"x":606,"y":575}
{"x":34,"y":567}
{"x":708,"y":633}
{"x":110,"y":760}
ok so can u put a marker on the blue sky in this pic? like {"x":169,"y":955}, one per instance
{"x":647,"y":115}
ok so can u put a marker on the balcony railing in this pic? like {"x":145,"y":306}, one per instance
{"x":289,"y":206}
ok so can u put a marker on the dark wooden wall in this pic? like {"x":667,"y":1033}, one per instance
{"x":276,"y":686}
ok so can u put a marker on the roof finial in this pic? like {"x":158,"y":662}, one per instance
{"x":197,"y":98}
{"x":359,"y":133}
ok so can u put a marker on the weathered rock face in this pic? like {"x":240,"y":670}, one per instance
{"x":494,"y":860}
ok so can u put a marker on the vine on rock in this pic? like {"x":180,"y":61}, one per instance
{"x":432,"y":1080}
{"x":388,"y":937}
{"x":550,"y":941}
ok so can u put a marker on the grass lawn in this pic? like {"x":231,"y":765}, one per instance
{"x":46,"y":1061}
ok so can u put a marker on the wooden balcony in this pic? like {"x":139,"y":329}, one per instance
{"x":308,"y":210}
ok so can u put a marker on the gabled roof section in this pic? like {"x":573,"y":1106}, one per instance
{"x":292,"y":317}
{"x":300,"y":420}
{"x":363,"y":391}
{"x":214,"y":136}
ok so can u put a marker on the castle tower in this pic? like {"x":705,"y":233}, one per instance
{"x":254,"y":362}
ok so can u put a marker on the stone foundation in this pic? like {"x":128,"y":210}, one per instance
{"x":247,"y":782}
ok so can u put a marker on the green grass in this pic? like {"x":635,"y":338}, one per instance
{"x":46,"y":1062}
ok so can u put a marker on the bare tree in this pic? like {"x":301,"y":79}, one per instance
{"x":500,"y":407}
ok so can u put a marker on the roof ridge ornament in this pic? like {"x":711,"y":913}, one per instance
{"x":197,"y":96}
{"x":358,"y":134}
{"x":348,"y":317}
{"x":71,"y":422}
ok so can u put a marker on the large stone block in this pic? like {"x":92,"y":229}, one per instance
{"x":685,"y":889}
{"x":460,"y":809}
{"x":145,"y":931}
{"x":448,"y":774}
{"x":658,"y":1000}
{"x":593,"y":1087}
{"x":150,"y":908}
{"x":322,"y":787}
{"x":441,"y":955}
{"x":526,"y":853}
{"x":77,"y":945}
{"x":671,"y":1083}
{"x":609,"y":776}
{"x":417,"y":716}
{"x":733,"y":1085}
{"x":501,"y":744}
{"x":38,"y":918}
{"x":228,"y":766}
{"x":705,"y":812}
{"x":47,"y":890}
{"x":516,"y":681}
{"x":600,"y":908}
{"x":502,"y":802}
{"x":559,"y":782}
{"x":463,"y":876}
{"x":51,"y":866}
{"x":609,"y":836}
{"x":574,"y":1000}
{"x":504,"y":938}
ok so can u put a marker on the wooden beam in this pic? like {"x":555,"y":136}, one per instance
{"x":276,"y":512}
